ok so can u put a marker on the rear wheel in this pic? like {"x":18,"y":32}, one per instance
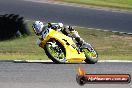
{"x":55,"y":51}
{"x":91,"y":55}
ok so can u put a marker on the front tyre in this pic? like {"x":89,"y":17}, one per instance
{"x":55,"y":51}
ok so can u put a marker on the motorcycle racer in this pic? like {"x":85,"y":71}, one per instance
{"x":39,"y":28}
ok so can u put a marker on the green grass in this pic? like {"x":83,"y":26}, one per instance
{"x":122,"y":4}
{"x":21,"y":48}
{"x":109,"y":45}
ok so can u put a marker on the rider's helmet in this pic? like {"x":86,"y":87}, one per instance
{"x":37,"y":27}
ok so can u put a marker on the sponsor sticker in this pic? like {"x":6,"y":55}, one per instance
{"x":83,"y":78}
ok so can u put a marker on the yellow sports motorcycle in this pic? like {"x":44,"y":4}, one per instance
{"x":62,"y":49}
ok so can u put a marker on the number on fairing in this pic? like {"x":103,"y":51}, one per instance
{"x":45,"y":32}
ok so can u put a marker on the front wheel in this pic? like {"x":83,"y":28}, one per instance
{"x":55,"y":51}
{"x":91,"y":55}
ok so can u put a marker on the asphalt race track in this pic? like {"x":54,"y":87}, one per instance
{"x":49,"y":75}
{"x":85,"y":17}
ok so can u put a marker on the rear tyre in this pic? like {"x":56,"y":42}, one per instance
{"x":91,"y":56}
{"x":55,"y":51}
